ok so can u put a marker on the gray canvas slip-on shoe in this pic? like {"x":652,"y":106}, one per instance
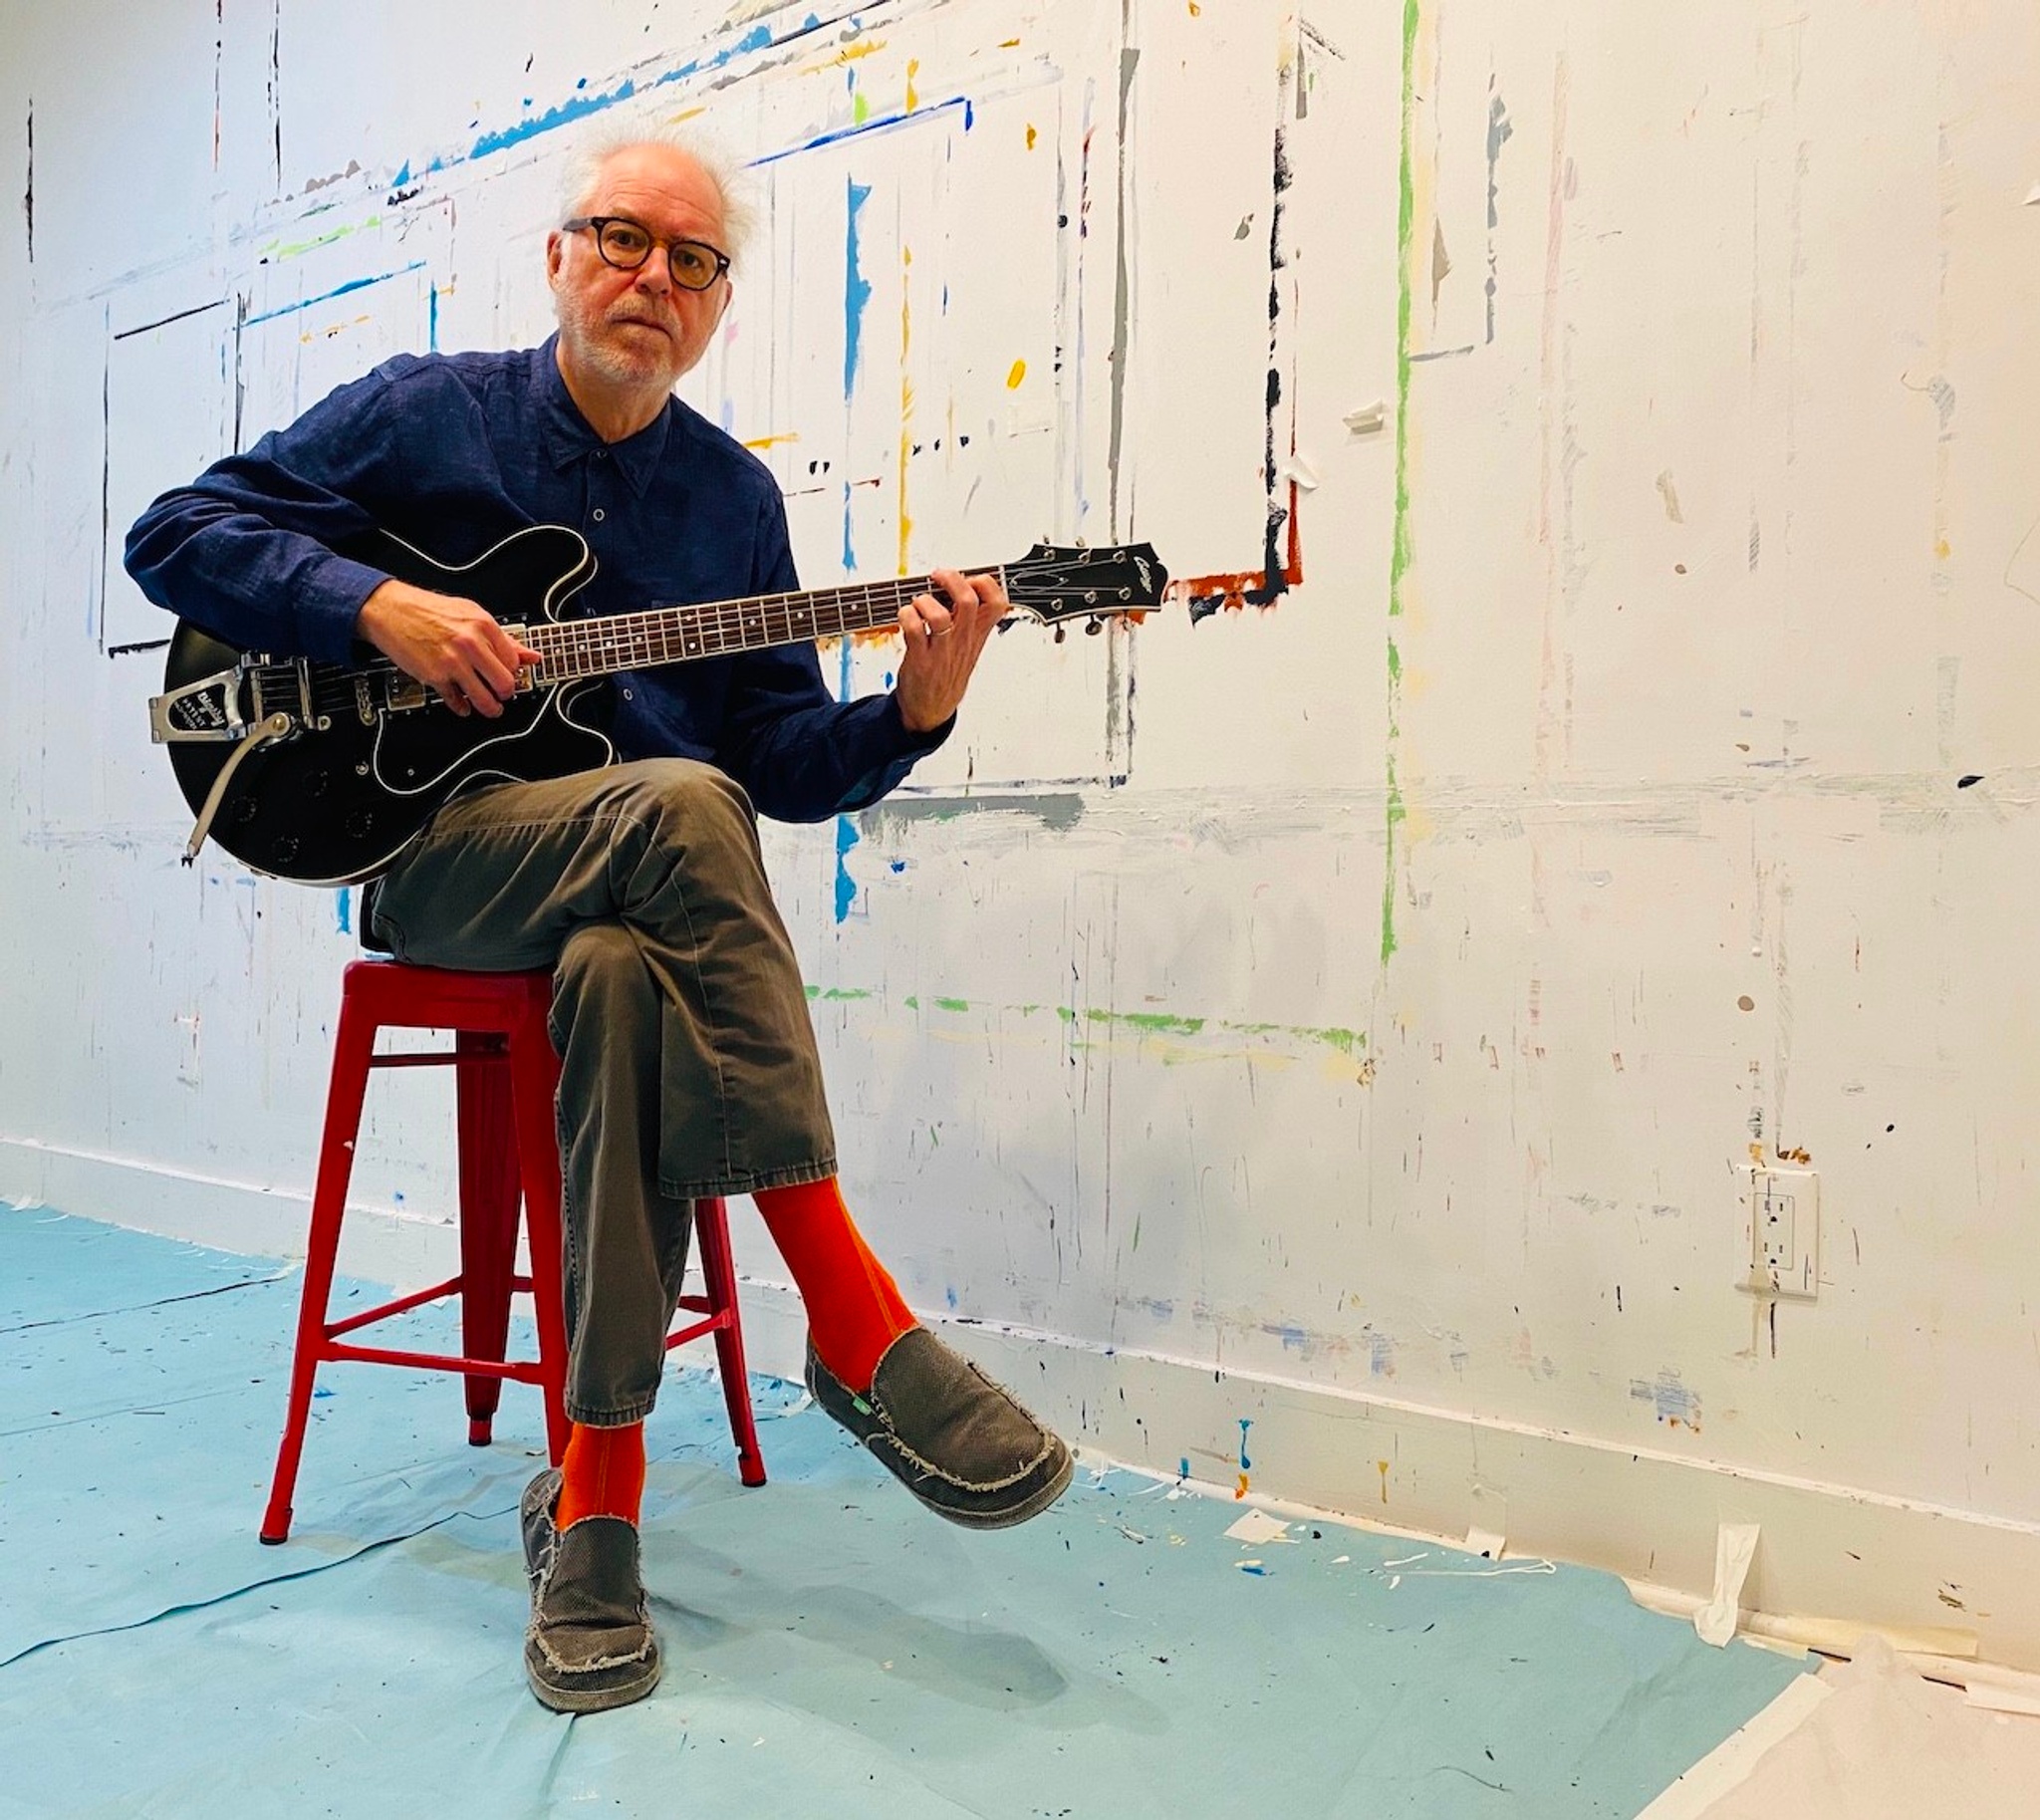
{"x":948,"y":1434}
{"x":590,"y":1645}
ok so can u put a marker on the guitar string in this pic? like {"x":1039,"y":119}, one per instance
{"x":573,"y":650}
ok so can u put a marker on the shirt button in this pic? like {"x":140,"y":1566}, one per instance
{"x":602,"y":454}
{"x":600,"y":514}
{"x":628,"y":696}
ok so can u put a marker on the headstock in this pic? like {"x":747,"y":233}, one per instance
{"x":1054,"y":584}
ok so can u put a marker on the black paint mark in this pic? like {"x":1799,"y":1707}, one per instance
{"x":163,"y":321}
{"x":1275,"y":582}
{"x":125,"y":650}
{"x":276,"y":86}
{"x":28,"y":195}
{"x":1975,"y":777}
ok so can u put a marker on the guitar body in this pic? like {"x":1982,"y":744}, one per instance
{"x":337,"y":800}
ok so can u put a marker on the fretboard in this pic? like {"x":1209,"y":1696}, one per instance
{"x":609,"y":642}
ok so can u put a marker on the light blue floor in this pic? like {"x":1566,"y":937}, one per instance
{"x":830,"y":1649}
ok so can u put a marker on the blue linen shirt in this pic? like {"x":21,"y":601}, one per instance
{"x":453,"y":454}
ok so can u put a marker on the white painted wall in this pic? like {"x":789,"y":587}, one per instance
{"x":1350,"y":1017}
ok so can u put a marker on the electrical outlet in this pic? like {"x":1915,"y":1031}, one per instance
{"x":1784,"y":1209}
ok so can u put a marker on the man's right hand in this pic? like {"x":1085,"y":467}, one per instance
{"x":448,"y":643}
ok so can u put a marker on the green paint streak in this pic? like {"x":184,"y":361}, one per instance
{"x":859,"y":108}
{"x":1145,"y":1023}
{"x":1399,"y":551}
{"x":1153,"y":1023}
{"x":292,"y":249}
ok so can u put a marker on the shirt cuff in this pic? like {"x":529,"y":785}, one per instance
{"x":329,"y":599}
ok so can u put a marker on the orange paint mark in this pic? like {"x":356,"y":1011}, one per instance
{"x":1031,"y":137}
{"x":1240,"y":1490}
{"x":1015,"y":375}
{"x":1231,"y":590}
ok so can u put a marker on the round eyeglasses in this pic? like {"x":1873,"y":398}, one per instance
{"x":628,"y":244}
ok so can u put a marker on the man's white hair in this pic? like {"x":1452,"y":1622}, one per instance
{"x":582,"y":173}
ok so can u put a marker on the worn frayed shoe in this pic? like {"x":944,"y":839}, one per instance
{"x":590,"y":1644}
{"x":948,"y":1434}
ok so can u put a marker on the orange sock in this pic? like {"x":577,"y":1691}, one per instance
{"x":602,"y":1474}
{"x":854,"y":1310}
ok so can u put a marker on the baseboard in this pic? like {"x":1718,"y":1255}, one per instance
{"x":1827,"y":1551}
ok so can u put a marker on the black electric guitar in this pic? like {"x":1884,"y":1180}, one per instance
{"x":324,"y":773}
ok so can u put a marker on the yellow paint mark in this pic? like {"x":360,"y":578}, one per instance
{"x":1756,"y":1155}
{"x":686,"y":113}
{"x":849,"y":54}
{"x":912,"y":70}
{"x":1031,"y":135}
{"x":1383,"y":1465}
{"x":1009,"y":44}
{"x":905,"y":381}
{"x":1940,"y":547}
{"x":1017,"y":372}
{"x":791,"y":436}
{"x":1196,"y":11}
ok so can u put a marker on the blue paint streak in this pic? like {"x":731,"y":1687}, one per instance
{"x":845,"y":885}
{"x":352,"y":284}
{"x":433,"y":318}
{"x":344,"y":909}
{"x":883,"y":123}
{"x":857,"y":288}
{"x":1245,"y":1423}
{"x":849,"y":549}
{"x":579,"y":108}
{"x":845,"y":826}
{"x":1182,"y":1469}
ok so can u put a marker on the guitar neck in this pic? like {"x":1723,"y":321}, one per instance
{"x":609,"y":642}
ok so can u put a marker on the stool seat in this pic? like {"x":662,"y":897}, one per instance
{"x":506,"y":1074}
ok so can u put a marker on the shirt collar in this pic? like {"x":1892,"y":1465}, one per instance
{"x":568,"y":437}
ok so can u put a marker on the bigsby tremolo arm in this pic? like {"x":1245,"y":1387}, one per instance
{"x":209,"y":711}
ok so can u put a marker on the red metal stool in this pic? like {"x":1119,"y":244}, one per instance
{"x":505,"y":1078}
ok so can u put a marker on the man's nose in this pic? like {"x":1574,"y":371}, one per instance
{"x":657,"y":273}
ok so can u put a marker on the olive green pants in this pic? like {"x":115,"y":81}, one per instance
{"x":688,"y":1057}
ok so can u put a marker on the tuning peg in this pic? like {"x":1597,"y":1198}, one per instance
{"x":1092,"y":627}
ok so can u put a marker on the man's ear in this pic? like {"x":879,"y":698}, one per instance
{"x":555,"y":250}
{"x":729,"y":290}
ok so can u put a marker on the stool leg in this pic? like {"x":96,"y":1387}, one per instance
{"x":535,"y":1081}
{"x":718,"y":1270}
{"x":353,"y":1043}
{"x":485,"y":1120}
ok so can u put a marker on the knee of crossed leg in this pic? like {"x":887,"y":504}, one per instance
{"x":680,"y":810}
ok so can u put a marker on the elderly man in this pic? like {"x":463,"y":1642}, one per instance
{"x":688,"y":1061}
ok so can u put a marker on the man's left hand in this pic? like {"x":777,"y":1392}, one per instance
{"x":942,"y":645}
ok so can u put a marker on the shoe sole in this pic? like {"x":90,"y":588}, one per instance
{"x":1031,"y":1506}
{"x":593,"y":1699}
